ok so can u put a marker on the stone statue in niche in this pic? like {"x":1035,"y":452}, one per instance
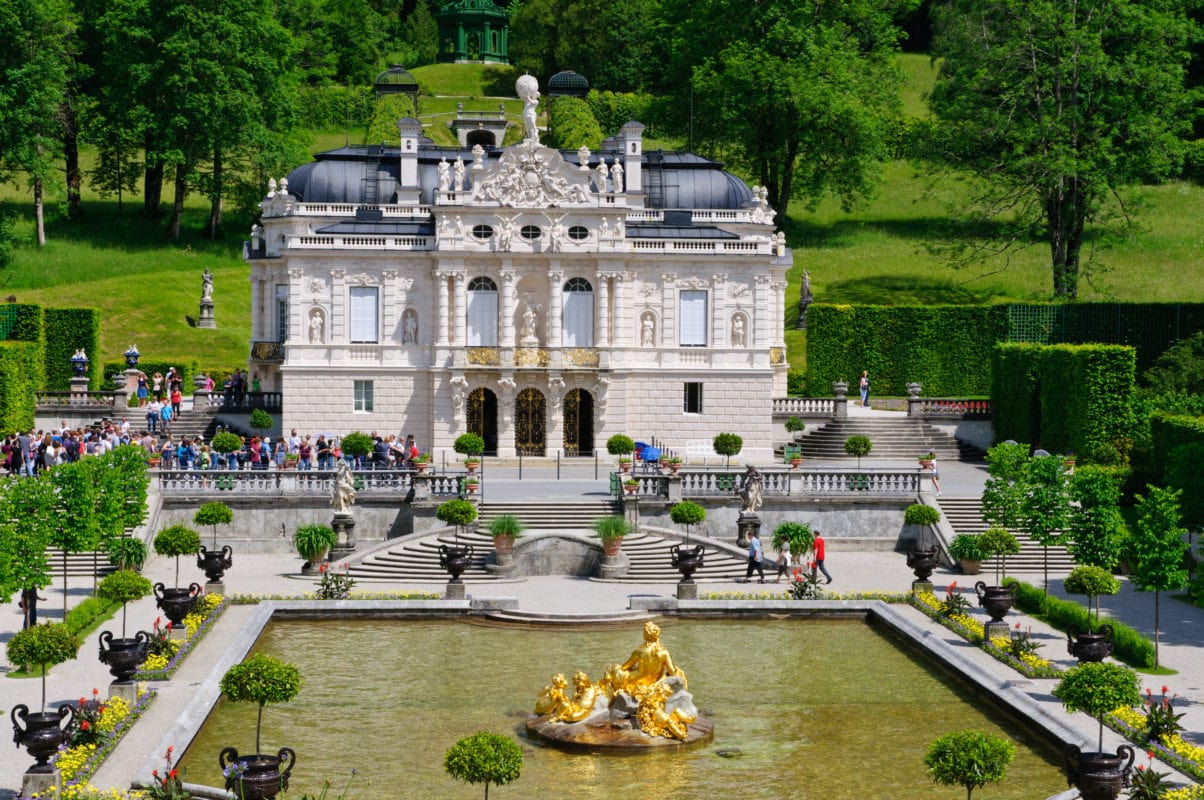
{"x":600,"y":175}
{"x":739,"y":337}
{"x":316,"y":327}
{"x":458,"y":175}
{"x":647,"y":331}
{"x":444,"y":175}
{"x":616,"y":177}
{"x":527,"y":89}
{"x":409,"y":327}
{"x":530,"y":323}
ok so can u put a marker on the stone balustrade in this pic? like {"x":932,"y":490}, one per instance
{"x":803,"y":406}
{"x":693,"y":483}
{"x":949,"y":408}
{"x":104,"y":400}
{"x":304,"y":483}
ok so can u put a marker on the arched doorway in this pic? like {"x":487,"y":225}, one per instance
{"x":578,"y":423}
{"x":482,"y":417}
{"x":483,"y":138}
{"x":530,"y":422}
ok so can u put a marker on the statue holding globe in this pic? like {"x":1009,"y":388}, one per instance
{"x":527,"y":88}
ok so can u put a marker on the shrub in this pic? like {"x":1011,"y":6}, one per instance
{"x":1128,"y":644}
{"x":68,"y":330}
{"x":356,"y":444}
{"x":965,"y":547}
{"x":312,"y":541}
{"x":687,"y":513}
{"x":456,"y":512}
{"x":727,"y":445}
{"x":795,"y":425}
{"x":1091,"y":581}
{"x":620,"y":445}
{"x":214,"y":513}
{"x":1098,"y":689}
{"x":969,"y":758}
{"x":261,"y":679}
{"x":795,"y":535}
{"x":45,"y":645}
{"x":20,"y":364}
{"x":177,"y":540}
{"x":123,"y":586}
{"x":612,"y":527}
{"x":127,"y":552}
{"x":921,"y":515}
{"x":858,"y":446}
{"x":469,"y":444}
{"x":572,"y":125}
{"x":484,"y":758}
{"x":260,"y":420}
{"x":226,"y":442}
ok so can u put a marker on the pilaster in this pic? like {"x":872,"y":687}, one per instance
{"x":508,"y":286}
{"x":602,"y":314}
{"x":441,"y":314}
{"x":555,"y":306}
{"x":460,"y":307}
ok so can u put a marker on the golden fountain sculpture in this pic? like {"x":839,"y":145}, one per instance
{"x":640,"y":703}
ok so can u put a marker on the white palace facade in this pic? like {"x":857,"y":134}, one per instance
{"x":543,"y":299}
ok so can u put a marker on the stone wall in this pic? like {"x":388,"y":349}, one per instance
{"x":976,"y":432}
{"x":324,"y":403}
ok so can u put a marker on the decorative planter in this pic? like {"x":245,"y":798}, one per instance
{"x":1094,"y":646}
{"x":995,"y":599}
{"x":257,"y":777}
{"x":471,"y":466}
{"x":43,"y":733}
{"x":215,"y":562}
{"x":153,"y":463}
{"x":612,"y":546}
{"x":421,"y":466}
{"x":923,"y":562}
{"x":673,"y":468}
{"x":970,"y":567}
{"x":455,"y":560}
{"x":471,"y":488}
{"x":311,"y":566}
{"x":631,"y":488}
{"x":123,"y":656}
{"x":176,"y":603}
{"x":1099,"y":776}
{"x":686,"y":560}
{"x":503,"y":545}
{"x":926,"y":464}
{"x":624,"y":466}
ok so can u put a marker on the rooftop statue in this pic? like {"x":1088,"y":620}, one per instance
{"x":527,"y":88}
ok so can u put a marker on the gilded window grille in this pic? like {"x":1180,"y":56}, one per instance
{"x":530,"y":422}
{"x":484,"y":356}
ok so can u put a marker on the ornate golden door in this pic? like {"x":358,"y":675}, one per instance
{"x":530,"y":422}
{"x":578,"y":423}
{"x":482,"y":416}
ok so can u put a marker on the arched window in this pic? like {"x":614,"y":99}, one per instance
{"x":482,"y":313}
{"x":578,"y":320}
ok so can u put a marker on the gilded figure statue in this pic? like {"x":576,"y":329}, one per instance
{"x":648,"y":664}
{"x":655,"y":720}
{"x":582,"y":704}
{"x":553,"y":698}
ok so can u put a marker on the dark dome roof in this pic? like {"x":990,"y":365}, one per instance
{"x":567,"y":80}
{"x":396,"y":75}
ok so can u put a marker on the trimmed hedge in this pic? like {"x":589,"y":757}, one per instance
{"x":946,"y":348}
{"x":19,"y":371}
{"x":1177,"y":447}
{"x":572,"y":125}
{"x":186,"y":370}
{"x":27,"y":322}
{"x":1129,"y":645}
{"x":1015,"y":404}
{"x":67,"y":330}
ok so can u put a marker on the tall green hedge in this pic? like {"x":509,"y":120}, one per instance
{"x":19,"y":363}
{"x":1015,"y":403}
{"x":186,"y":369}
{"x":946,"y":348}
{"x":21,"y":322}
{"x":1177,"y":448}
{"x":67,"y":330}
{"x":572,"y":125}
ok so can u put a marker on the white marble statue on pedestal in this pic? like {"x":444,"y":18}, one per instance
{"x":527,"y":88}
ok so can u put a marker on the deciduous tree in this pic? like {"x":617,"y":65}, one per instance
{"x":1158,"y":548}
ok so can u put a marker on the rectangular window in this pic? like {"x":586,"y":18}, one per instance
{"x":482,"y":319}
{"x":365,"y":326}
{"x":692,"y":327}
{"x":281,"y":312}
{"x":693,"y":398}
{"x":578,"y":327}
{"x":363,"y":396}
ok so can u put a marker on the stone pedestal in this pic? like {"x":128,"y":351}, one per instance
{"x":40,"y":784}
{"x":503,"y":566}
{"x":216,"y":587}
{"x":687,"y":591}
{"x":746,"y":524}
{"x":178,"y":633}
{"x":614,"y":566}
{"x":344,"y":528}
{"x":126,"y":690}
{"x":996,"y":630}
{"x":131,"y":383}
{"x":79,"y":390}
{"x":454,"y":591}
{"x":919,"y":587}
{"x":206,"y":320}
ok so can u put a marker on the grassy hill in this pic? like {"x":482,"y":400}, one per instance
{"x":148,"y":289}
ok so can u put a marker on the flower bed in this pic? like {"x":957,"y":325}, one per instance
{"x":1026,"y":663}
{"x":252,"y":599}
{"x":886,"y":597}
{"x":78,"y":763}
{"x":1133,"y":724}
{"x":198,"y":623}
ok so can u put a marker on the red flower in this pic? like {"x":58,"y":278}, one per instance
{"x":100,"y":710}
{"x":953,"y":586}
{"x":158,"y":621}
{"x":1150,"y":754}
{"x":1017,"y":626}
{"x":172,"y":774}
{"x":82,"y":700}
{"x":155,"y":774}
{"x":95,"y":691}
{"x":1164,"y":689}
{"x":1141,"y":767}
{"x":85,"y":726}
{"x":169,"y":625}
{"x":170,"y":750}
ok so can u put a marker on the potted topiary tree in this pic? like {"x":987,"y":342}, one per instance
{"x":44,"y":645}
{"x":357,"y":445}
{"x":795,"y":535}
{"x":969,"y":554}
{"x":470,"y":445}
{"x":260,"y":420}
{"x":226,"y":443}
{"x":484,"y":758}
{"x":969,"y":758}
{"x":176,"y":541}
{"x":460,"y":513}
{"x":921,"y":560}
{"x":260,"y":679}
{"x":611,"y":531}
{"x":1091,"y":581}
{"x":997,"y":599}
{"x":687,"y":559}
{"x":214,"y":562}
{"x":858,"y":446}
{"x":313,"y":542}
{"x":795,"y":426}
{"x":505,"y":529}
{"x":621,"y":446}
{"x":727,"y":445}
{"x":1098,"y":689}
{"x":123,"y":655}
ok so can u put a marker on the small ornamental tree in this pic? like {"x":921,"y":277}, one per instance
{"x":795,"y":425}
{"x":620,"y":445}
{"x":457,"y":512}
{"x":1003,"y":495}
{"x":1159,"y":552}
{"x":124,"y":586}
{"x":45,"y":645}
{"x":727,"y":445}
{"x":1091,"y":581}
{"x":795,"y":535}
{"x":687,"y":513}
{"x":1097,"y":529}
{"x":226,"y":443}
{"x":999,"y":542}
{"x":1098,"y":688}
{"x":260,"y":420}
{"x":261,"y":679}
{"x":177,"y":540}
{"x":858,"y":446}
{"x":1047,"y":505}
{"x":214,"y":513}
{"x":469,"y":444}
{"x":969,"y":758}
{"x":484,"y":757}
{"x":356,"y":444}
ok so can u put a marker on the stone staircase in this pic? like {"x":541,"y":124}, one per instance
{"x":898,"y":439}
{"x":651,"y":561}
{"x":964,"y":514}
{"x":79,"y":565}
{"x":193,"y":423}
{"x":548,"y":516}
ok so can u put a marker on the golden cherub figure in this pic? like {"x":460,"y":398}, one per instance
{"x":582,"y":704}
{"x":553,"y":698}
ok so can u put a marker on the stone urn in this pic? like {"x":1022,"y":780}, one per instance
{"x":215,"y":562}
{"x":840,"y":389}
{"x":1090,"y":646}
{"x":42,"y":734}
{"x":123,"y":656}
{"x":1098,"y":776}
{"x":257,"y":777}
{"x":176,"y":603}
{"x":923,"y":562}
{"x":687,"y":560}
{"x":970,"y":566}
{"x":995,"y":599}
{"x":455,"y":560}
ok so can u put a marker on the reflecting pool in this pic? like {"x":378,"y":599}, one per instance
{"x":814,"y":708}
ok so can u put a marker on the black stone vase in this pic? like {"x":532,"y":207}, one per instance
{"x":687,"y":560}
{"x":455,"y":560}
{"x":995,"y":599}
{"x":215,"y":562}
{"x":257,"y":777}
{"x":176,"y":603}
{"x":123,"y":656}
{"x":923,"y":562}
{"x":1094,"y":646}
{"x":42,"y":734}
{"x":1098,"y":776}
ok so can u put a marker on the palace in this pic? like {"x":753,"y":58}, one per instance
{"x":543,"y":299}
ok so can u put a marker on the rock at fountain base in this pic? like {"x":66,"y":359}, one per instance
{"x":40,"y":783}
{"x":599,"y":733}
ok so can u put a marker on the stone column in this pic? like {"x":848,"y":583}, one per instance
{"x":620,"y":325}
{"x":507,"y":310}
{"x":460,"y":308}
{"x":602,"y":315}
{"x":390,"y":313}
{"x":296,"y":314}
{"x":441,"y":309}
{"x":337,"y":329}
{"x":506,"y":392}
{"x":556,"y":281}
{"x":721,"y":332}
{"x":779,"y":312}
{"x":761,"y":308}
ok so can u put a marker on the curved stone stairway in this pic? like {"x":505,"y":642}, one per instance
{"x":895,"y":438}
{"x":964,"y":514}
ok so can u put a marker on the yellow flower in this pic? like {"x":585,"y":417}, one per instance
{"x":1191,"y":752}
{"x":1130,"y":716}
{"x":1186,"y":793}
{"x":115,"y":711}
{"x":154,"y":662}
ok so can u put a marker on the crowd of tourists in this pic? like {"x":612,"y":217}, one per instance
{"x":30,"y":452}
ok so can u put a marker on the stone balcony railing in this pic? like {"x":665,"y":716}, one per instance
{"x":917,"y":407}
{"x":292,"y":483}
{"x":82,"y":399}
{"x":693,"y":483}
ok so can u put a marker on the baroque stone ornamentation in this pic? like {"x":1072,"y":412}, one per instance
{"x":777,"y":355}
{"x":529,"y":175}
{"x":484,"y":356}
{"x":581,"y":357}
{"x":530,"y":357}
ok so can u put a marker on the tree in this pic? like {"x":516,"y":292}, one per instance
{"x":1003,"y":494}
{"x":858,"y":446}
{"x":727,"y":445}
{"x":1047,"y":504}
{"x":26,"y":521}
{"x":261,"y":679}
{"x":484,"y":758}
{"x":1054,"y":107}
{"x":45,"y":645}
{"x":969,"y":758}
{"x":1096,"y":528}
{"x":260,"y":420}
{"x":214,"y":513}
{"x":572,"y":125}
{"x":1098,"y":688}
{"x":797,"y":93}
{"x":420,"y":33}
{"x":382,"y":129}
{"x":687,"y":513}
{"x":74,"y":527}
{"x":1091,"y":581}
{"x":1158,"y":548}
{"x":124,"y":586}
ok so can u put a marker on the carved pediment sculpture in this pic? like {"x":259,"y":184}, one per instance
{"x":531,"y":176}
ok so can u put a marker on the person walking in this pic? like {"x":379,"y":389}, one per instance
{"x":936,"y":476}
{"x":754,"y":558}
{"x":864,"y":386}
{"x":783,"y":561}
{"x":820,"y":550}
{"x":29,"y":606}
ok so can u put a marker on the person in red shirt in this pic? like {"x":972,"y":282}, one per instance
{"x":820,"y":552}
{"x":176,"y":400}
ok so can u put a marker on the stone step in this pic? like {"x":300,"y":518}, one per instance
{"x":617,"y":618}
{"x":964,"y":514}
{"x":894,"y":439}
{"x":547,"y":516}
{"x":79,"y":564}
